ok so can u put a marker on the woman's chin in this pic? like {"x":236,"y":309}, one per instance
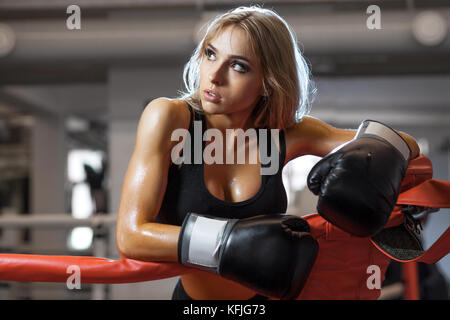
{"x":212,"y":108}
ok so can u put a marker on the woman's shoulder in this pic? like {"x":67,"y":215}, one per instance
{"x":166,"y":112}
{"x":167,"y":107}
{"x":161,"y":117}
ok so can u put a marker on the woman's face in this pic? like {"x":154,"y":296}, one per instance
{"x":232,"y":72}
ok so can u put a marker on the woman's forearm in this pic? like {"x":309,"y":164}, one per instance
{"x":150,"y":242}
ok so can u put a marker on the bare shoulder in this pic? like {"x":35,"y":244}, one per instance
{"x":161,"y":117}
{"x":166,"y":113}
{"x":313,"y":136}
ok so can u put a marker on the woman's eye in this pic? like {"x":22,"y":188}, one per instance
{"x":242,"y":67}
{"x":239,"y":67}
{"x":208,"y":53}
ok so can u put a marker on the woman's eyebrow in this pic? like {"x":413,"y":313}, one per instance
{"x":230,"y":56}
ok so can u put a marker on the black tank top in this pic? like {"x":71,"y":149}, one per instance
{"x":186,"y":190}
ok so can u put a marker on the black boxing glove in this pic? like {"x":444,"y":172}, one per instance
{"x":358,"y":184}
{"x":270,"y":254}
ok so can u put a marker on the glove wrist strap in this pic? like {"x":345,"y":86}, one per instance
{"x":200,"y":240}
{"x":370,"y":128}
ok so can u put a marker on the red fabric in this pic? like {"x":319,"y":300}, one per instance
{"x":432,"y":193}
{"x":340,"y":271}
{"x":411,"y":281}
{"x":419,"y":170}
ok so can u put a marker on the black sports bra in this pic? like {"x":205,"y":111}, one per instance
{"x":186,"y":190}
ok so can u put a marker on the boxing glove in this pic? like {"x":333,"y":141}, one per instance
{"x":359,"y":182}
{"x":270,"y":254}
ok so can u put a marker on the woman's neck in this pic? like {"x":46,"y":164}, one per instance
{"x":237,"y":120}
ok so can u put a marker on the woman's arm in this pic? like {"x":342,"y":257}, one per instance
{"x":145,"y":183}
{"x":315,"y":137}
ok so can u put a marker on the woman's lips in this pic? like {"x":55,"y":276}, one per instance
{"x":211,"y":98}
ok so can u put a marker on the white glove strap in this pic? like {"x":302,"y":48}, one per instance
{"x":205,"y":241}
{"x":373,"y":128}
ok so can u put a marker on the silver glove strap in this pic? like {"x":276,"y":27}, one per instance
{"x":204,"y":241}
{"x":372,"y":128}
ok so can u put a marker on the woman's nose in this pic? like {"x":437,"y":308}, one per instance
{"x":216,"y":76}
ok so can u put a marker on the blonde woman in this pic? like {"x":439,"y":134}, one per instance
{"x":226,"y":219}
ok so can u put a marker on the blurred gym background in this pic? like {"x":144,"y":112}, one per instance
{"x":70,"y":100}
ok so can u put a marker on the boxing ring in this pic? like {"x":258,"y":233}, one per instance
{"x":340,"y":271}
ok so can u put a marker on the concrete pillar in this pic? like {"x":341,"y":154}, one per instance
{"x":48,"y":175}
{"x":48,"y":171}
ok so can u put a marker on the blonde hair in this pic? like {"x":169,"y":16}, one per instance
{"x":289,"y":90}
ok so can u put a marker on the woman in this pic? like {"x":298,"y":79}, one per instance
{"x":247,"y":72}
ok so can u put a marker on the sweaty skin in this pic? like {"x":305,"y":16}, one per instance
{"x":138,"y":236}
